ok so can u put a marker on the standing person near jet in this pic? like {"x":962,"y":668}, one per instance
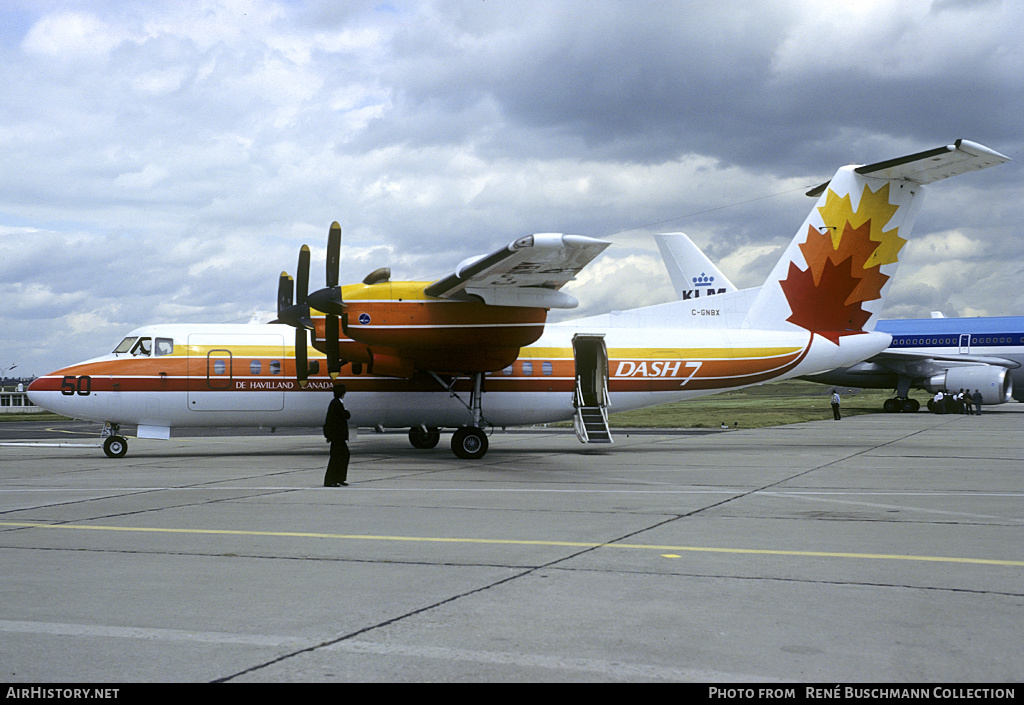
{"x":835,"y":405}
{"x":977,"y":401}
{"x":336,"y":433}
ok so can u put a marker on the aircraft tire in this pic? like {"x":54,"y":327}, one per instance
{"x":890,"y":405}
{"x":115,"y":446}
{"x":424,"y":441}
{"x":469,"y":443}
{"x":910,"y":406}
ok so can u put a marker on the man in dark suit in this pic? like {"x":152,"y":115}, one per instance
{"x":336,"y":432}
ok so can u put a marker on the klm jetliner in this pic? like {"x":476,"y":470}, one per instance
{"x":940,"y":354}
{"x":933,"y":354}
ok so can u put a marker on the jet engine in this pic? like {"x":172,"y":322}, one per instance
{"x":995,"y":384}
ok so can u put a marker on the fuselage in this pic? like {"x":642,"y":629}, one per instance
{"x":163,"y":376}
{"x":998,"y":336}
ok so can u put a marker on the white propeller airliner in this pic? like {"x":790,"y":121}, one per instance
{"x":472,"y":351}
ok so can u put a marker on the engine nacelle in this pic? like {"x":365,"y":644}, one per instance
{"x":995,"y":384}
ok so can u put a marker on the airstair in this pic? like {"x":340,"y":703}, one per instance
{"x":591,"y":396}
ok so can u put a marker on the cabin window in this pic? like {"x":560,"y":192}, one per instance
{"x":255,"y":367}
{"x":527,"y":369}
{"x":275,"y":367}
{"x":219,"y":367}
{"x":164,"y":346}
{"x":314,"y":367}
{"x":547,"y":368}
{"x":508,"y":371}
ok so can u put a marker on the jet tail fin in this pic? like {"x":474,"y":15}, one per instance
{"x":833,"y":277}
{"x":692,"y":273}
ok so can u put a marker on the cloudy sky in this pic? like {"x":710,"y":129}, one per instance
{"x":164,"y":161}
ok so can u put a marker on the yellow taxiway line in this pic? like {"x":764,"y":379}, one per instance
{"x":667,"y":551}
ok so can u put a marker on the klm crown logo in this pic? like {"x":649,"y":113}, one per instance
{"x":704,"y":281}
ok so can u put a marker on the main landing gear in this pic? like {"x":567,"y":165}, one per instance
{"x":115,"y":445}
{"x":468,"y":442}
{"x":424,"y":438}
{"x":901,"y":404}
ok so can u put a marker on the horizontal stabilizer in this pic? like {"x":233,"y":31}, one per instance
{"x":932,"y":165}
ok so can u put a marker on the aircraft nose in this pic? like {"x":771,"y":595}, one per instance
{"x":34,"y":391}
{"x":46,"y":391}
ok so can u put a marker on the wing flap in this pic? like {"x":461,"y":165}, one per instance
{"x":528,"y":272}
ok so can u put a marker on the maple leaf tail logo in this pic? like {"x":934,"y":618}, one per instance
{"x":843,"y":265}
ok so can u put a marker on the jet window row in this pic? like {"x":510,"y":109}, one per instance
{"x":975,"y":340}
{"x":526,"y":368}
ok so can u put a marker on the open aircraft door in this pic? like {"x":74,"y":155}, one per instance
{"x":591,"y":397}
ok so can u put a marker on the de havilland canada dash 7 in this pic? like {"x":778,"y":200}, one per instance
{"x":473,"y":350}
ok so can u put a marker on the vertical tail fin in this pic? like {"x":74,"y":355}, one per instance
{"x":692,"y":273}
{"x":835,"y":274}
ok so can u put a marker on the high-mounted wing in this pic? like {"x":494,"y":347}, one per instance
{"x":528,"y":272}
{"x":489,"y":308}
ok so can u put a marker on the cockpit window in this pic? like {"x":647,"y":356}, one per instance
{"x":164,"y":346}
{"x":136,"y":346}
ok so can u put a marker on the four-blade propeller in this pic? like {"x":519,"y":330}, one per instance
{"x":328,"y":300}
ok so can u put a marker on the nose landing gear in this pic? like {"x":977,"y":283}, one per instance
{"x":115,"y":445}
